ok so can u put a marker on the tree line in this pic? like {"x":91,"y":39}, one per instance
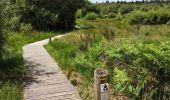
{"x":40,"y":14}
{"x":140,"y":1}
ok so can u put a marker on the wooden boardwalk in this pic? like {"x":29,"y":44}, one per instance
{"x":45,"y":80}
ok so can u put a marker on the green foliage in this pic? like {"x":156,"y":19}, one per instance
{"x":138,"y":64}
{"x":112,"y":15}
{"x":41,"y":15}
{"x":1,"y":31}
{"x":10,"y":91}
{"x":152,"y":58}
{"x":153,"y":17}
{"x":89,"y":7}
{"x":9,"y":20}
{"x":91,"y":16}
{"x":109,"y":16}
{"x":168,"y":23}
{"x":79,"y":14}
{"x":11,"y":15}
{"x":64,"y":10}
{"x":124,"y":9}
{"x":136,"y":17}
{"x":25,"y":28}
{"x":122,"y":81}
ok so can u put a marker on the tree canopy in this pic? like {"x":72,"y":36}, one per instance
{"x":60,"y":12}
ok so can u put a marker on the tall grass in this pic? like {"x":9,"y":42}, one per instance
{"x":115,"y":46}
{"x":10,"y":91}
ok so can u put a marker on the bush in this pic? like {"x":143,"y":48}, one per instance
{"x":11,"y":15}
{"x":151,"y":64}
{"x":112,"y":15}
{"x":25,"y":28}
{"x":104,"y":16}
{"x":161,"y":16}
{"x":124,"y":9}
{"x":168,"y":23}
{"x":136,"y":17}
{"x":91,"y":16}
{"x":79,"y":14}
{"x":1,"y":32}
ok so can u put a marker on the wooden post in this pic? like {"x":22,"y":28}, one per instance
{"x":101,"y":84}
{"x":50,"y":40}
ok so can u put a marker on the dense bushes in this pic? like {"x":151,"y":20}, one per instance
{"x":153,"y":17}
{"x":9,"y":20}
{"x":47,"y":15}
{"x":25,"y":28}
{"x":145,"y":58}
{"x":138,"y":64}
{"x":79,"y":14}
{"x":1,"y":32}
{"x":41,"y":15}
{"x":124,"y":9}
{"x":91,"y":16}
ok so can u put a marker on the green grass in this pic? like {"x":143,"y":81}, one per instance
{"x":12,"y":65}
{"x":130,"y":52}
{"x":10,"y":91}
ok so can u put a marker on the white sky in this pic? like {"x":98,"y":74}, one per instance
{"x":99,"y":1}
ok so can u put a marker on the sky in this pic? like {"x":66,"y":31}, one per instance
{"x":99,"y":1}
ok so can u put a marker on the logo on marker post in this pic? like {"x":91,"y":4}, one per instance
{"x":104,"y":87}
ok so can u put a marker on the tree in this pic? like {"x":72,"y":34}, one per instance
{"x":2,"y":39}
{"x":65,"y":10}
{"x":9,"y":20}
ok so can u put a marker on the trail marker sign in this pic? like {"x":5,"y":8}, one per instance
{"x":101,"y":84}
{"x":104,"y":87}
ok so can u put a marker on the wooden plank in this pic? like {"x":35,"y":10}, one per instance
{"x":45,"y":79}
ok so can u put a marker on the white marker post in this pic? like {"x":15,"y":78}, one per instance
{"x":101,"y":84}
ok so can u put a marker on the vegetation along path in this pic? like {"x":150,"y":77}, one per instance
{"x":45,"y":80}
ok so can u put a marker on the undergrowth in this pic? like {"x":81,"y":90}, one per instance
{"x":137,"y":60}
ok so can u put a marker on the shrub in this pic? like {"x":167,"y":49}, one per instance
{"x":168,"y":23}
{"x":1,"y":32}
{"x":112,"y":15}
{"x":91,"y":16}
{"x":136,"y":17}
{"x":124,"y":9}
{"x":151,"y":64}
{"x":79,"y":14}
{"x":114,"y":8}
{"x":25,"y":28}
{"x":104,"y":16}
{"x":144,"y":9}
{"x":161,"y":16}
{"x":11,"y":15}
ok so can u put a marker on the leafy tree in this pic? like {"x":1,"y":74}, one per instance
{"x":65,"y":10}
{"x":9,"y":19}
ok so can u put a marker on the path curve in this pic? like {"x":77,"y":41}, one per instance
{"x":44,"y":79}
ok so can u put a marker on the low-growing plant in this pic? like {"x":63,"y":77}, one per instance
{"x":26,"y":28}
{"x":112,"y":15}
{"x":124,"y":9}
{"x":136,"y":63}
{"x":91,"y":16}
{"x":79,"y":14}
